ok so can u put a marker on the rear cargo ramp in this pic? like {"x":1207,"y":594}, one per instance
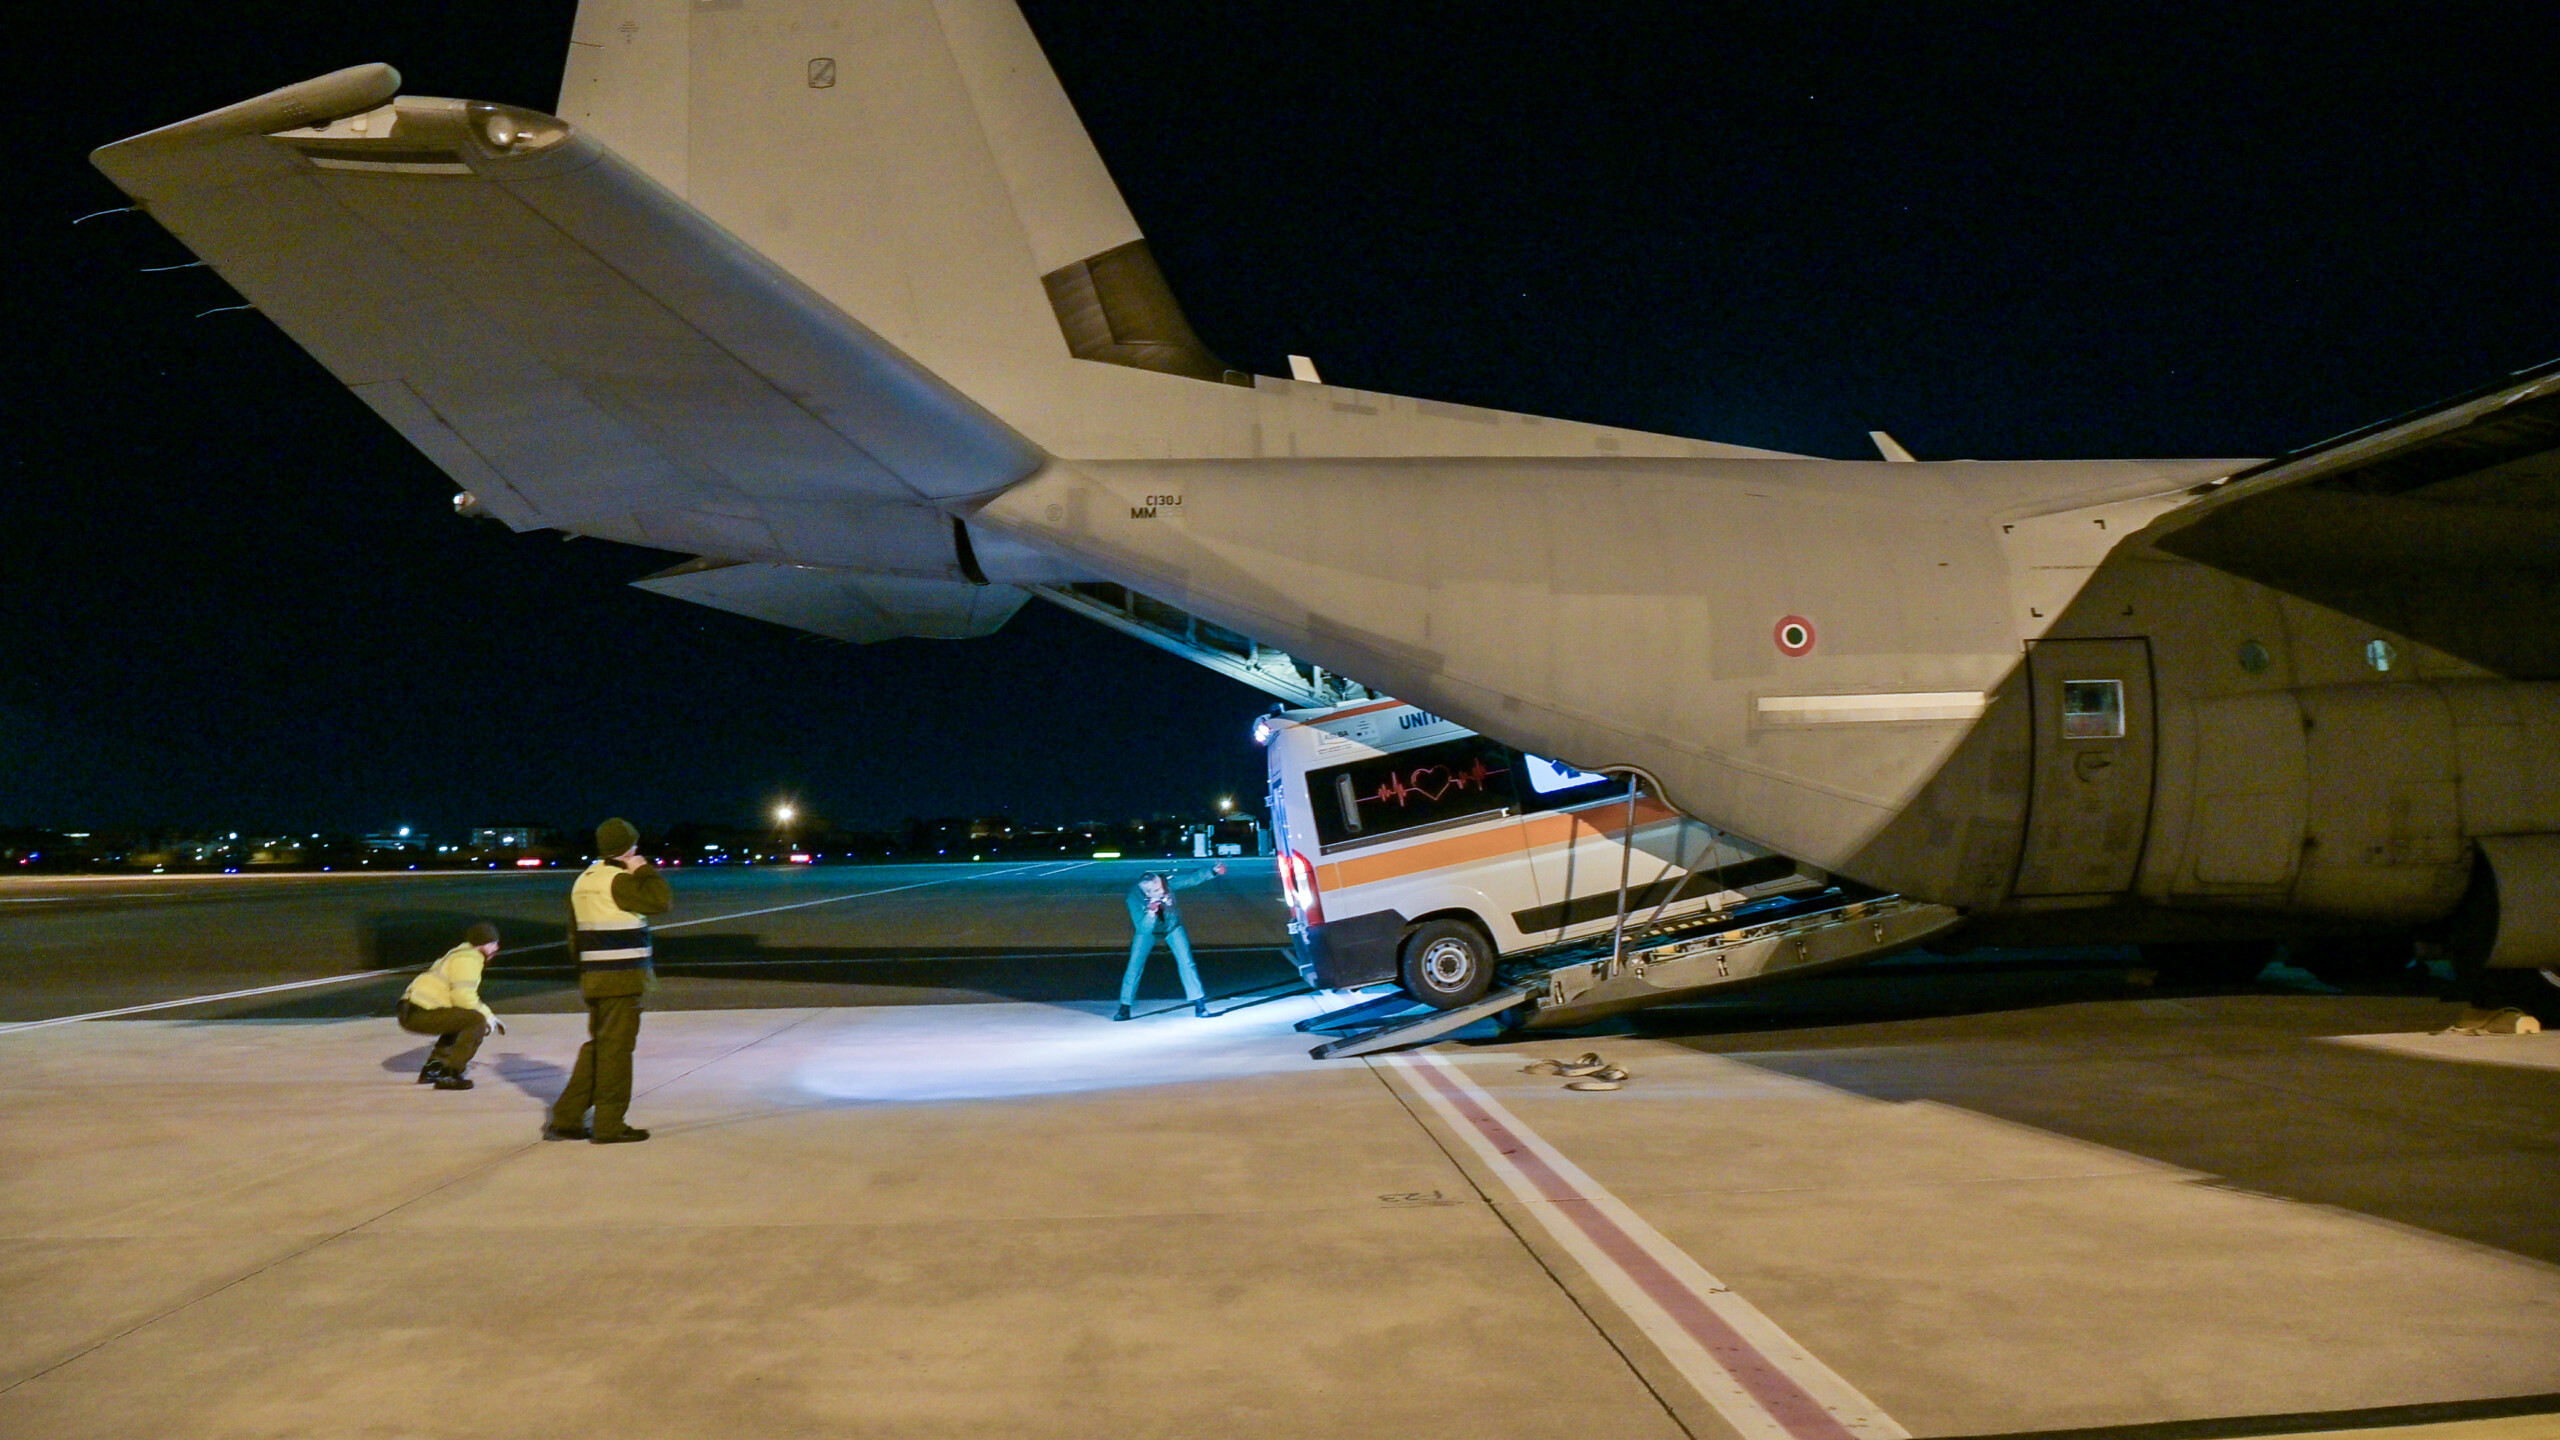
{"x":1729,"y":951}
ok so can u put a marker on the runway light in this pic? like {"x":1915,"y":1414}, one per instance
{"x":1106,"y":854}
{"x":799,"y":859}
{"x":527,"y":862}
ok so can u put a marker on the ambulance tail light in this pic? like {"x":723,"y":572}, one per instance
{"x":1298,"y":883}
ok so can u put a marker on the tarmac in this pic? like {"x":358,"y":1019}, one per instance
{"x":909,"y":1180}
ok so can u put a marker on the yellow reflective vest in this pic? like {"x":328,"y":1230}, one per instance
{"x":452,"y":983}
{"x":611,"y":943}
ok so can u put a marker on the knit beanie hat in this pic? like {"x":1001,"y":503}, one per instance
{"x":615,"y":836}
{"x":483,"y":933}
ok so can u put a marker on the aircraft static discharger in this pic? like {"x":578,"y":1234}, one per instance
{"x":839,"y":297}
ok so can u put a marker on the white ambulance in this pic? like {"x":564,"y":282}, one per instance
{"x":1415,"y":850}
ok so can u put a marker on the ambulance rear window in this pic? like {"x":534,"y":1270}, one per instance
{"x":1554,"y":785}
{"x":1432,"y":785}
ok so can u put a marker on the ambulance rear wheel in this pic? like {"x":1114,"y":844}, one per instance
{"x":1446,"y":964}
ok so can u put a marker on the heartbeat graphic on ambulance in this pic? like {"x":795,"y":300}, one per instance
{"x":1400,"y":788}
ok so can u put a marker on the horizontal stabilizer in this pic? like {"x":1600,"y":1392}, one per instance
{"x":841,"y":605}
{"x":572,"y":343}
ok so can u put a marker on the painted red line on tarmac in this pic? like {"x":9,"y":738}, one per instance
{"x":1775,"y":1390}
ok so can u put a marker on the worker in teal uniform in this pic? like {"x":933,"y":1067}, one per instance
{"x":609,"y":911}
{"x":1153,"y":913}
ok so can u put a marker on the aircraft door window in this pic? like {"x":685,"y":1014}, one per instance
{"x":1411,"y":790}
{"x":2092,"y":709}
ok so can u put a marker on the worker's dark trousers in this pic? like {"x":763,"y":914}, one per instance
{"x":603,"y":1076}
{"x":458,"y":1031}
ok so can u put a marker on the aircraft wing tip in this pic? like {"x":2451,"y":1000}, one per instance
{"x":301,"y":105}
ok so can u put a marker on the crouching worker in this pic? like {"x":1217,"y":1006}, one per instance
{"x":1153,"y":912}
{"x":445,"y":1002}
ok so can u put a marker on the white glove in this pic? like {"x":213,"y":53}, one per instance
{"x":497,"y":1026}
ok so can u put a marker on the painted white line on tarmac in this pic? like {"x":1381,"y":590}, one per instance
{"x":796,"y":905}
{"x":1112,"y":953}
{"x":202,"y":999}
{"x":1754,"y":1374}
{"x":402,"y":969}
{"x":215,"y":877}
{"x":832,"y":899}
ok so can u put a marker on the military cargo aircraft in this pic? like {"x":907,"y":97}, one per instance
{"x":837,"y":296}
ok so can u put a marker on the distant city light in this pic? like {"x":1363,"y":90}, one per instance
{"x":404,"y":830}
{"x":1223,"y":804}
{"x":1106,"y":854}
{"x":800,"y":858}
{"x":784,"y":813}
{"x":527,"y":862}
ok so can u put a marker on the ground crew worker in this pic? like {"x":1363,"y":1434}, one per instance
{"x":609,"y":940}
{"x":445,"y":1002}
{"x":1153,"y":912}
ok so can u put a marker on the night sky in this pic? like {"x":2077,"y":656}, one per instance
{"x":233,"y":597}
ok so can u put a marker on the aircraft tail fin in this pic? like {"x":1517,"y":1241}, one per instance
{"x":914,"y":161}
{"x":917,"y":164}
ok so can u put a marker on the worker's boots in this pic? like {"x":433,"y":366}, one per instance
{"x":433,"y":1070}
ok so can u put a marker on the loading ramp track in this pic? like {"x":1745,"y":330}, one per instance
{"x":1656,"y":964}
